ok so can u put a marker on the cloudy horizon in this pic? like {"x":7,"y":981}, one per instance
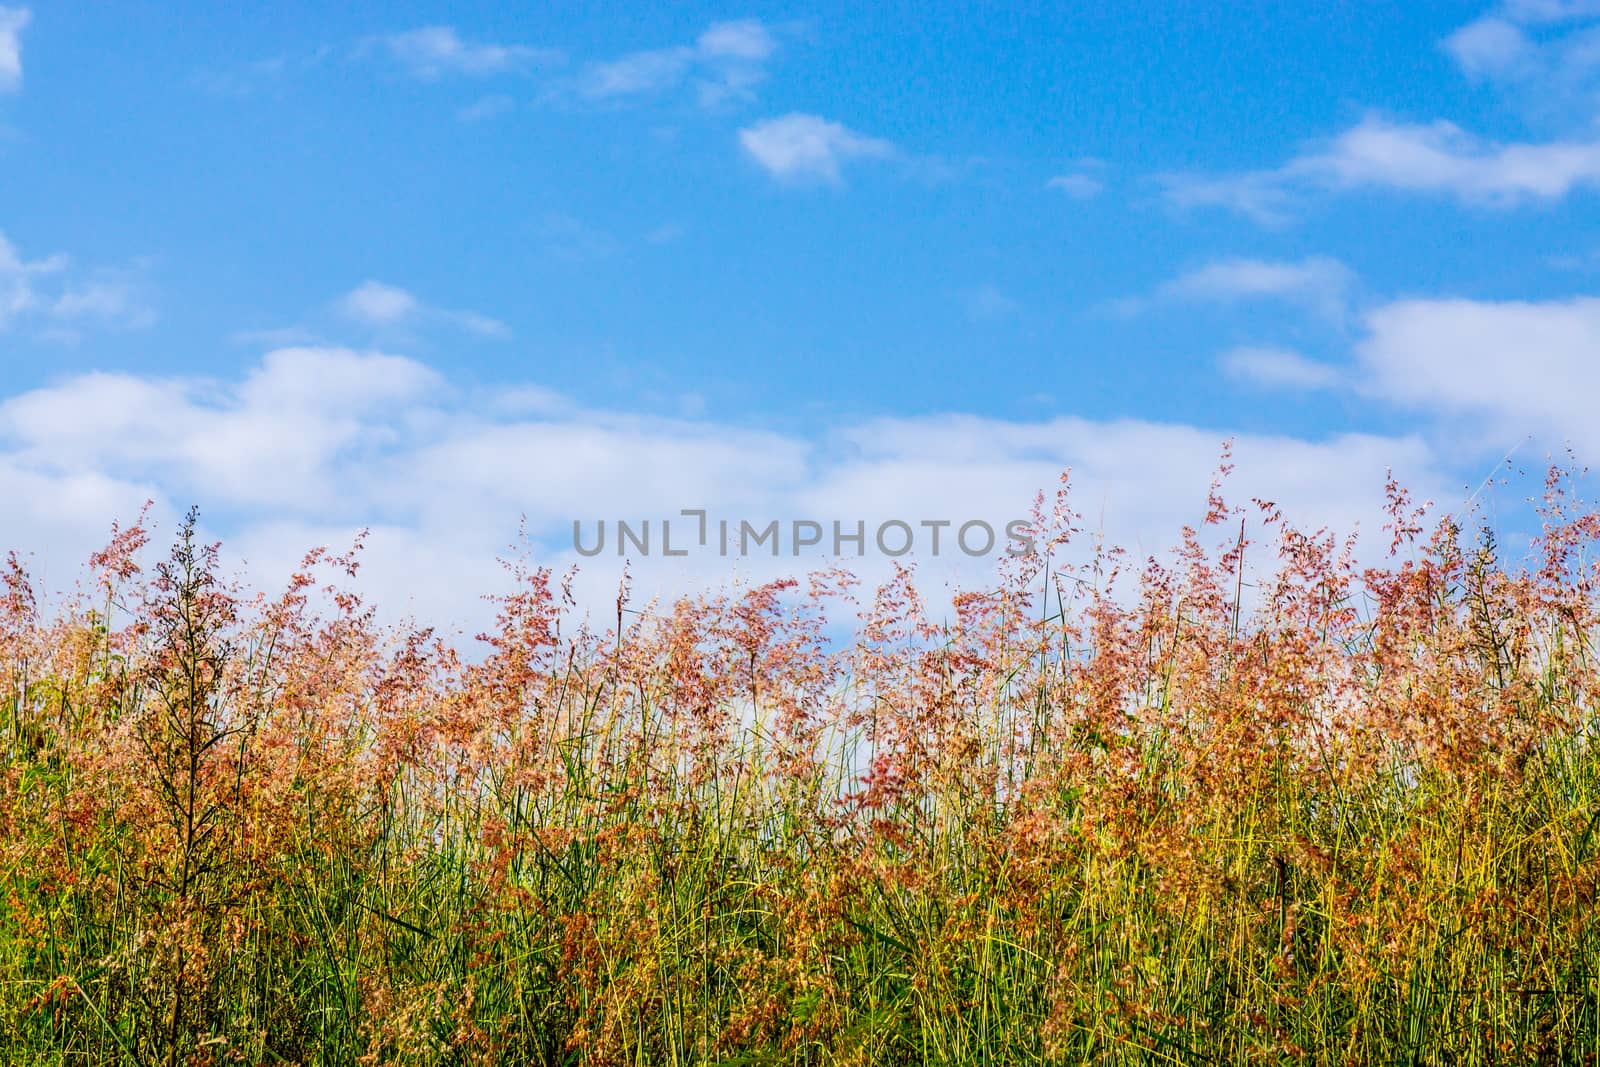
{"x":443,"y":278}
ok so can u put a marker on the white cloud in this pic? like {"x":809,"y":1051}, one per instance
{"x":1317,"y":283}
{"x":433,"y":52}
{"x":798,"y":147}
{"x":335,"y":379}
{"x":1438,"y":158}
{"x":269,"y":440}
{"x":13,"y":20}
{"x":744,"y":39}
{"x":313,"y":444}
{"x":1515,"y":367}
{"x":1141,"y":479}
{"x":1277,"y":368}
{"x":383,"y":306}
{"x":378,"y":304}
{"x":725,"y":62}
{"x":1491,"y":46}
{"x":55,"y":519}
{"x":1546,"y":54}
{"x":1543,"y":55}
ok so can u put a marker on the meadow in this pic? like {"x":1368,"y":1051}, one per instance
{"x":1117,"y":812}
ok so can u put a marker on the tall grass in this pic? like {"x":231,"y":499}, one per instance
{"x":1358,"y":822}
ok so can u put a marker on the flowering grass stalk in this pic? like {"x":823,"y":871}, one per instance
{"x":1095,"y":817}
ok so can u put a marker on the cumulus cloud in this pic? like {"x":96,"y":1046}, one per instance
{"x":313,"y":444}
{"x":382,"y":306}
{"x":1491,"y":46}
{"x":13,"y":20}
{"x":800,"y":147}
{"x":273,"y":439}
{"x":1516,"y":367}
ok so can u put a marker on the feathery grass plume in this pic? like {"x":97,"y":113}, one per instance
{"x":1110,"y":811}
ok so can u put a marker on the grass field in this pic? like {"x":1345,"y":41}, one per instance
{"x":1349,"y":815}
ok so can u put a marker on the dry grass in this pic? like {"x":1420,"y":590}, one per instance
{"x":1358,"y":824}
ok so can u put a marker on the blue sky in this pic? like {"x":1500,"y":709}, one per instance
{"x":429,"y":268}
